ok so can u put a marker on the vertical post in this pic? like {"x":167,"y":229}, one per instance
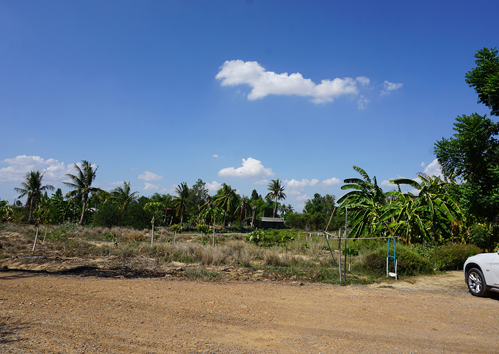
{"x":345,"y":255}
{"x":213,"y":235}
{"x":36,"y":238}
{"x":174,"y":236}
{"x":152,"y":234}
{"x":339,"y":250}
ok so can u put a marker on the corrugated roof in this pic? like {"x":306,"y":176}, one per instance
{"x":270,"y":219}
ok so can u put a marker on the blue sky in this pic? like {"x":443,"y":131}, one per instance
{"x":242,"y":92}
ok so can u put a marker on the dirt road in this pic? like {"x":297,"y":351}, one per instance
{"x":71,"y":314}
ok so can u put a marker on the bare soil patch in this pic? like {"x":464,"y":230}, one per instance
{"x":46,"y":313}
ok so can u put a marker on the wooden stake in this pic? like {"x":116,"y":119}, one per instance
{"x":36,"y":238}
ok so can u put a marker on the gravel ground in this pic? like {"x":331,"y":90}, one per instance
{"x":42,"y":313}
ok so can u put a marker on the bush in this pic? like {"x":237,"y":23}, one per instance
{"x":177,"y":227}
{"x":408,"y":262}
{"x":203,"y":228}
{"x":270,"y":237}
{"x":453,"y":256}
{"x":480,"y":235}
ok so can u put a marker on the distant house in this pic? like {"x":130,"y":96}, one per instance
{"x":270,"y":223}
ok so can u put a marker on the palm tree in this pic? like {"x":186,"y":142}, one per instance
{"x":33,"y":188}
{"x":368,"y":203}
{"x":225,"y":199}
{"x":285,"y":209}
{"x":182,"y":200}
{"x":242,"y":208}
{"x":276,"y":192}
{"x":122,"y":196}
{"x":82,"y":185}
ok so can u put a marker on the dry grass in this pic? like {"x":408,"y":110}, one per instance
{"x":230,"y":250}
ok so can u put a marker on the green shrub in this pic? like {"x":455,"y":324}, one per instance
{"x":111,"y":237}
{"x":202,"y":228}
{"x":270,"y":237}
{"x":453,"y":256}
{"x":408,"y":262}
{"x":480,"y":235}
{"x":177,"y":227}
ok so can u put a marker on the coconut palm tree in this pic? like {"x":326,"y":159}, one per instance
{"x":32,"y":188}
{"x":242,"y":208}
{"x":225,"y":199}
{"x":82,"y":185}
{"x":181,"y":201}
{"x":123,"y":196}
{"x":276,"y":192}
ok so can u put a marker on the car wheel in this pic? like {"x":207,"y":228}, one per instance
{"x":476,"y":282}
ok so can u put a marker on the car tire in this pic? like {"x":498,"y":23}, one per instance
{"x":476,"y":282}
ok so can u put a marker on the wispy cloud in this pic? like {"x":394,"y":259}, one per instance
{"x":263,"y":82}
{"x":388,"y":87}
{"x":150,"y":176}
{"x":251,"y":168}
{"x":150,"y":187}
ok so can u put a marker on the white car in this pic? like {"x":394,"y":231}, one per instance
{"x":481,"y":273}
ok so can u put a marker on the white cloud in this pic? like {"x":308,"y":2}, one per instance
{"x":263,"y":83}
{"x":386,"y":183}
{"x":302,"y":198}
{"x":149,"y":176}
{"x":213,"y":187}
{"x":261,"y":182}
{"x":331,"y":181}
{"x":251,"y":168}
{"x":295,"y":186}
{"x":388,"y":87}
{"x":17,"y":167}
{"x":364,"y":81}
{"x":150,"y":187}
{"x":423,"y":164}
{"x":434,"y":169}
{"x":215,"y":156}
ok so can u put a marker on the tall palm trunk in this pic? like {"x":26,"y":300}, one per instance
{"x":31,"y":210}
{"x":82,"y":219}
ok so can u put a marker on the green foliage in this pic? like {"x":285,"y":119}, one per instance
{"x":81,"y":183}
{"x":270,"y":237}
{"x":408,"y":261}
{"x":481,"y":236}
{"x":177,"y":227}
{"x":111,"y":237}
{"x":485,"y":78}
{"x":276,"y":192}
{"x":203,"y":228}
{"x":365,"y":204}
{"x":472,"y":155}
{"x":32,"y":188}
{"x":453,"y":256}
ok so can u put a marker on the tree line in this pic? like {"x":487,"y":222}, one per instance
{"x":188,"y":207}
